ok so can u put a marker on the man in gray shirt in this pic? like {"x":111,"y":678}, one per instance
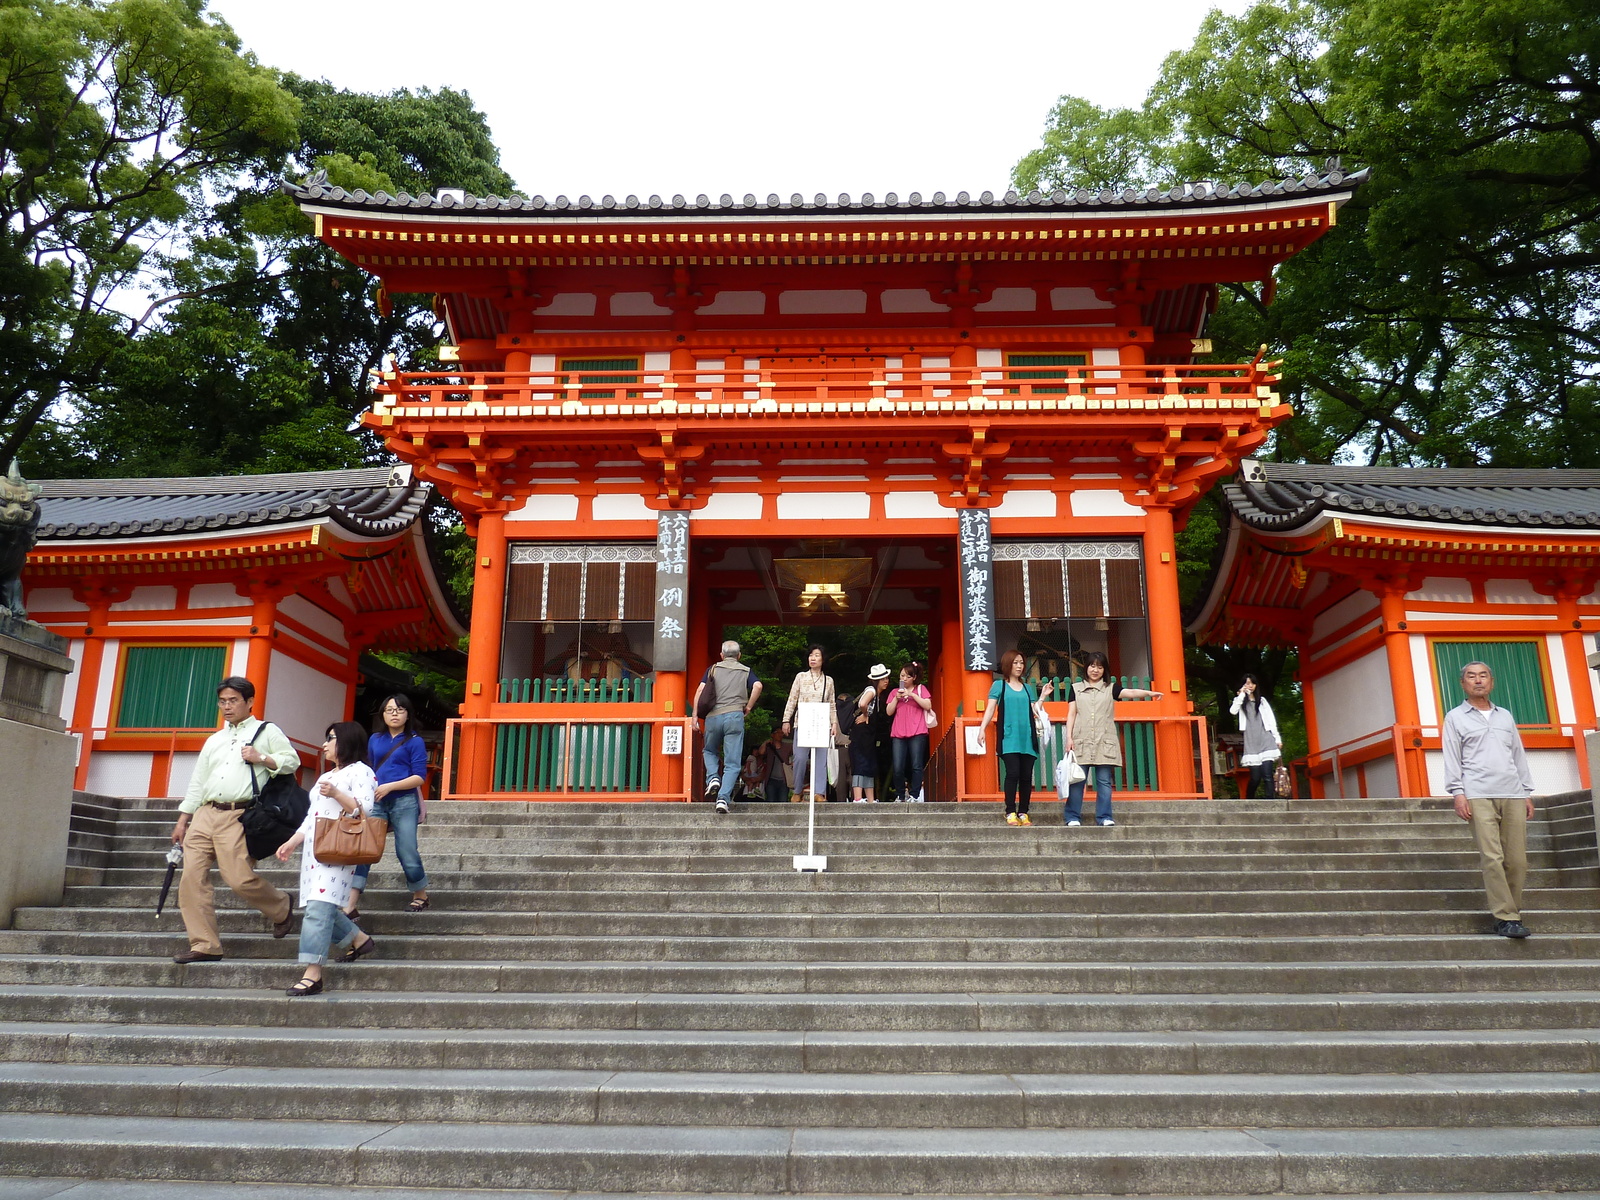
{"x":735,"y":690}
{"x":1486,"y":771}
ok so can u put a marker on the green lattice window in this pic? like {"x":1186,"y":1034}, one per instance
{"x":1519,"y":675}
{"x":600,"y":371}
{"x":170,"y":687}
{"x":1046,"y":366}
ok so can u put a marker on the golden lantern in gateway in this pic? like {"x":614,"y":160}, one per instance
{"x":990,"y":403}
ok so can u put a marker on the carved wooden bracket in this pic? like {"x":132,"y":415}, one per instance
{"x":669,"y":456}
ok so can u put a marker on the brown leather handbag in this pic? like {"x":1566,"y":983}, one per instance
{"x":349,"y":841}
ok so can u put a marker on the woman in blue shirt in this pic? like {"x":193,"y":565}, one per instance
{"x":1019,"y":743}
{"x":400,"y":761}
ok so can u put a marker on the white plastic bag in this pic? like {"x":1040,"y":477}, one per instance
{"x":1068,"y":772}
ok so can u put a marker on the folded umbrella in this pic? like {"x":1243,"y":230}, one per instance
{"x":174,"y":861}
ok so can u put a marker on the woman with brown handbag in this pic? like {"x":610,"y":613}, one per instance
{"x":347,"y":790}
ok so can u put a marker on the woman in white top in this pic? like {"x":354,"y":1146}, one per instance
{"x":324,"y":888}
{"x":811,"y":686}
{"x":1263,"y":744}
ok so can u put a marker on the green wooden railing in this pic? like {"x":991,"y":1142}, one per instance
{"x":569,"y":756}
{"x":561,"y":690}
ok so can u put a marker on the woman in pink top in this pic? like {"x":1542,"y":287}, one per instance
{"x":909,"y":706}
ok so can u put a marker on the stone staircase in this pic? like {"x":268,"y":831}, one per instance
{"x":1219,"y":998}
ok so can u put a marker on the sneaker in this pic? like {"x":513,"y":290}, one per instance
{"x":1105,"y":821}
{"x":1512,"y":929}
{"x":722,"y":807}
{"x":713,"y":788}
{"x":1011,"y":819}
{"x":1023,"y":820}
{"x":1072,"y":822}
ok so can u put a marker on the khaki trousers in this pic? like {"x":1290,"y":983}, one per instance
{"x":1500,"y":829}
{"x":216,"y":836}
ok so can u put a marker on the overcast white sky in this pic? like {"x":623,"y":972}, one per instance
{"x":740,"y":96}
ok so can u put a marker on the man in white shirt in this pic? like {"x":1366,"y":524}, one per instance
{"x":1486,"y":771}
{"x":209,"y":821}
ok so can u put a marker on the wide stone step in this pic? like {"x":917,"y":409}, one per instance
{"x":1166,"y":1052}
{"x":381,"y":895}
{"x":806,"y":1100}
{"x":354,"y":1002}
{"x":823,"y":1160}
{"x":1014,"y":947}
{"x":444,"y":922}
{"x":746,"y":978}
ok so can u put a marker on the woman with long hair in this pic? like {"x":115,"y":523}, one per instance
{"x":399,"y":760}
{"x":1263,"y":744}
{"x":811,"y":686}
{"x":1092,"y":735}
{"x":346,"y":790}
{"x":1012,"y":700}
{"x":908,"y":708}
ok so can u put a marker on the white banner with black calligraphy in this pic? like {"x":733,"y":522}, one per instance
{"x":977,"y":590}
{"x":672,"y":592}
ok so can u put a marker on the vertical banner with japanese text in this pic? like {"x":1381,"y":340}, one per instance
{"x":977,"y":590}
{"x":672,"y":591}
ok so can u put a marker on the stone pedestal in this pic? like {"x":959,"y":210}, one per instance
{"x":36,"y":764}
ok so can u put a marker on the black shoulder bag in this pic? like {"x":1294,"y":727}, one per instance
{"x":279,"y":807}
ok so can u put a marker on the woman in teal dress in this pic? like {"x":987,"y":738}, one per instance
{"x":1013,"y":701}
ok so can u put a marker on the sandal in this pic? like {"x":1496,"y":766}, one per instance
{"x":306,"y":987}
{"x":361,"y":951}
{"x":354,"y":914}
{"x":418,"y":903}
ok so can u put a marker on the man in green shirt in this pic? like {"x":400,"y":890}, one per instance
{"x":209,"y":821}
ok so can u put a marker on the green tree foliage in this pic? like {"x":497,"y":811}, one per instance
{"x":114,"y":118}
{"x":777,"y":653}
{"x":1450,"y":319}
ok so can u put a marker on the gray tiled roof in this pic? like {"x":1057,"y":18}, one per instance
{"x":371,"y":502}
{"x":316,"y":190}
{"x":1281,"y":497}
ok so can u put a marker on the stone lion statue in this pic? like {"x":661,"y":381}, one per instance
{"x":19,"y":529}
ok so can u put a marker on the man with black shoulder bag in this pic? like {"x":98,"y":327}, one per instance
{"x":209,"y":827}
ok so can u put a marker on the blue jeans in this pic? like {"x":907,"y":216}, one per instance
{"x":725,"y":733}
{"x":1101,"y":774}
{"x":910,"y":756}
{"x":401,"y":810}
{"x":322,"y":924}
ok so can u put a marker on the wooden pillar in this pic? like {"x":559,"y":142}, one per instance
{"x":89,"y":671}
{"x":475,"y":770}
{"x":1174,"y":742}
{"x":1412,"y":767}
{"x":263,"y":620}
{"x":1308,"y":700}
{"x":1577,"y":663}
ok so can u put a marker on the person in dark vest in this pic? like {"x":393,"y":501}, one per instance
{"x":735,"y":692}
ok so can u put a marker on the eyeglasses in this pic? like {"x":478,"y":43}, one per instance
{"x":392,"y":711}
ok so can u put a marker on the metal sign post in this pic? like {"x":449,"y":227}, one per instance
{"x":813,"y":730}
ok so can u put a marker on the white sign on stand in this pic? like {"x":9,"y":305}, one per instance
{"x":813,"y":730}
{"x":672,"y":739}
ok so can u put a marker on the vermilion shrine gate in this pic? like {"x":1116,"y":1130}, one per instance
{"x":979,"y":415}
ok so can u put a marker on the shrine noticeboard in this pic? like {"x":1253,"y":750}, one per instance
{"x":977,"y":590}
{"x":672,"y":592}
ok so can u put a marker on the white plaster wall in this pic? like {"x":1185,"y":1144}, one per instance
{"x":908,"y":300}
{"x":1102,"y":502}
{"x":1440,"y":589}
{"x":1026,"y":503}
{"x":120,"y":774}
{"x":824,"y":506}
{"x":1076,"y":297}
{"x":302,"y":700}
{"x":638,"y":304}
{"x":151,"y":598}
{"x":1343,"y":613}
{"x":1553,"y":771}
{"x":1010,"y":299}
{"x":569,"y":304}
{"x":1427,"y":703}
{"x":181,"y":772}
{"x":69,"y":687}
{"x":1513,"y":591}
{"x":241,"y":656}
{"x":308,"y":614}
{"x":1435,"y":763}
{"x":733,"y":304}
{"x":52,"y":600}
{"x":1382,"y":778}
{"x":842,"y":300}
{"x":216,"y":595}
{"x":546,"y":508}
{"x":103,"y":692}
{"x":729,"y":506}
{"x":1353,"y":700}
{"x":907,"y":506}
{"x":1565,"y":713}
{"x":622,"y":507}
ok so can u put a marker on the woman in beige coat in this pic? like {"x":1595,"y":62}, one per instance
{"x":1092,"y":735}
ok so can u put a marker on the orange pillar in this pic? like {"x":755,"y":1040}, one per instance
{"x":263,"y":620}
{"x":475,"y":770}
{"x":1577,"y":662}
{"x":1413,"y":767}
{"x":89,"y":668}
{"x":1174,"y":742}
